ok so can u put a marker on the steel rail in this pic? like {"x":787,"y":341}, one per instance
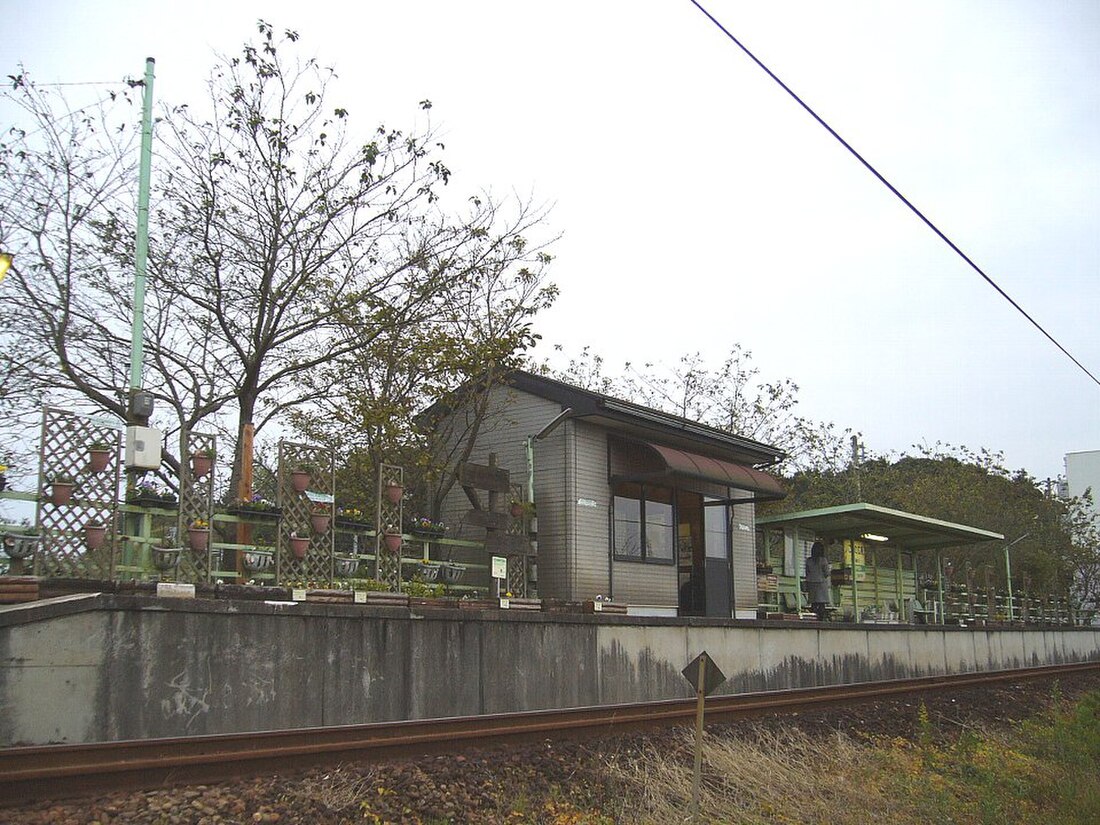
{"x":52,"y":771}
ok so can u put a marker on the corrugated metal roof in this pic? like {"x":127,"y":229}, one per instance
{"x":908,"y":530}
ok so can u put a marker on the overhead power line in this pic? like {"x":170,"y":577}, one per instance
{"x":893,"y":189}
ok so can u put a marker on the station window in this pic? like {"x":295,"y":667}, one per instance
{"x":644,"y":528}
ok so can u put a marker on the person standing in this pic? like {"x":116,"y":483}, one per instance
{"x":818,"y":584}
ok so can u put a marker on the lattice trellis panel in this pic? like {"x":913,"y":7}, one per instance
{"x":65,"y":453}
{"x":389,"y":518}
{"x":196,"y":503}
{"x":517,"y":562}
{"x":298,"y":509}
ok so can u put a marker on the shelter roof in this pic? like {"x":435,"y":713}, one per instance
{"x":907,"y":530}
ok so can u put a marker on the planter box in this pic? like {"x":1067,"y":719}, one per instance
{"x":436,"y":603}
{"x":353,"y":526}
{"x":330,"y":596}
{"x":478,"y":604}
{"x":560,"y":606}
{"x":377,"y":598}
{"x":255,"y":515}
{"x":613,"y":608}
{"x":427,"y":535}
{"x":155,"y":502}
{"x":525,"y":604}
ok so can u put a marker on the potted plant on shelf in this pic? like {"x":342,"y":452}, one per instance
{"x":299,"y":545}
{"x":300,"y":477}
{"x":94,"y":535}
{"x":198,"y":535}
{"x":392,"y":538}
{"x":202,"y":461}
{"x":424,"y":527}
{"x":351,"y":518}
{"x":521,"y":509}
{"x":99,"y":455}
{"x":148,"y":494}
{"x":4,"y":465}
{"x":321,"y":517}
{"x":61,"y":488}
{"x":256,"y":507}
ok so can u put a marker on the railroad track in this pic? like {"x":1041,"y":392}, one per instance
{"x":55,"y":771}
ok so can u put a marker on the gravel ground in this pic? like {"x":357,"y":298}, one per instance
{"x":547,"y":782}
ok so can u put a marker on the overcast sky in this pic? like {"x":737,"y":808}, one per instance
{"x":700,"y":206}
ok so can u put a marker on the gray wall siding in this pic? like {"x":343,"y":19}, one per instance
{"x":590,"y":502}
{"x":744,"y":555}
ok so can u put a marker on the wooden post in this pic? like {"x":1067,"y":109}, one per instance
{"x":700,"y":695}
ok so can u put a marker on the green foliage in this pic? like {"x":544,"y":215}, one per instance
{"x":974,"y":488}
{"x":731,"y":396}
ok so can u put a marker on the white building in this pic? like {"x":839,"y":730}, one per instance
{"x":1083,"y":473}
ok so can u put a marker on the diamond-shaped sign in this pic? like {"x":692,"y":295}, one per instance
{"x":703,"y":665}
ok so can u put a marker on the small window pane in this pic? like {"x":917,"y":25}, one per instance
{"x":628,"y":532}
{"x":716,"y":522}
{"x":660,"y":532}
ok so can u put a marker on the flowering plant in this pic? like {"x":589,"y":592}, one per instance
{"x":149,"y":490}
{"x":322,"y":508}
{"x":423,"y":524}
{"x":61,"y":478}
{"x":257,"y":503}
{"x":200,"y":524}
{"x":350,"y":513}
{"x":205,"y":452}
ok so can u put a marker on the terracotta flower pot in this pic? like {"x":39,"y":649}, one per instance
{"x":299,"y":480}
{"x":98,"y":460}
{"x":392,"y":541}
{"x":61,"y":493}
{"x":94,"y":536}
{"x":198,"y":538}
{"x":517,"y":510}
{"x":320,"y":523}
{"x":299,"y":547}
{"x":394,"y":493}
{"x":201,"y":465}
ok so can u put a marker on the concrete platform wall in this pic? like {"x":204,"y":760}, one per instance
{"x":99,"y":667}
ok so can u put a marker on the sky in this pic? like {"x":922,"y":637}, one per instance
{"x":699,"y":206}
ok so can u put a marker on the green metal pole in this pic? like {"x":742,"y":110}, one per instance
{"x":141,"y":245}
{"x":939,"y":587}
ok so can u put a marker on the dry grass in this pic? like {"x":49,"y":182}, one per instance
{"x":338,"y":789}
{"x":766,"y":776}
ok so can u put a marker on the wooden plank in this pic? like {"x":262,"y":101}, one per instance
{"x":493,"y":521}
{"x":503,"y":544}
{"x":481,"y":477}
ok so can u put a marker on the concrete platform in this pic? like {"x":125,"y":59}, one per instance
{"x":106,"y":666}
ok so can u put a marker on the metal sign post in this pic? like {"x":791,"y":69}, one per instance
{"x":705,"y":676}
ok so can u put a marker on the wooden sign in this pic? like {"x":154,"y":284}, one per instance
{"x":481,"y":477}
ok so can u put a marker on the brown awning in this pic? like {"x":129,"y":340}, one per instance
{"x":717,"y":471}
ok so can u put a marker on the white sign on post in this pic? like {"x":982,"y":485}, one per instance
{"x":500,"y":567}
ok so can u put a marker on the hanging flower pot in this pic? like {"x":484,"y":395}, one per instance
{"x":61,"y":490}
{"x":299,"y":480}
{"x":255,"y":561}
{"x":198,"y":535}
{"x":165,"y":558}
{"x":20,"y":545}
{"x":98,"y":458}
{"x":320,"y":522}
{"x":299,"y":546}
{"x":392,"y":541}
{"x":202,"y":463}
{"x":94,"y":536}
{"x":394,"y":493}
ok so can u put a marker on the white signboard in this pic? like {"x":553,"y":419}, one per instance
{"x":500,"y":567}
